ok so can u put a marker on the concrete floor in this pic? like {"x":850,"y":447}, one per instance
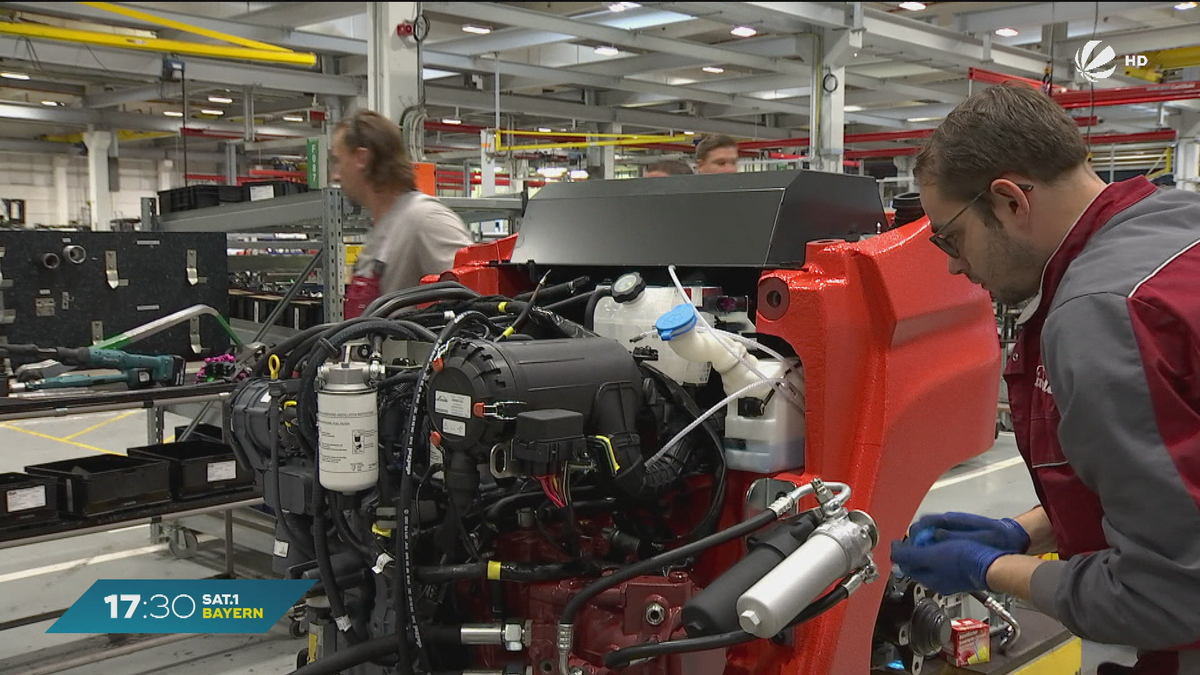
{"x":52,"y":575}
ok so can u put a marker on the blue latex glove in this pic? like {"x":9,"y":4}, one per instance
{"x":947,"y":567}
{"x":1005,"y":535}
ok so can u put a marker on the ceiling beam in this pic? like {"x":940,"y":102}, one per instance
{"x":514,"y":16}
{"x":480,"y":100}
{"x":520,"y":38}
{"x":207,"y":71}
{"x":272,"y":32}
{"x":150,"y":92}
{"x":110,"y":119}
{"x":771,"y":47}
{"x":1036,"y":14}
{"x":28,"y":146}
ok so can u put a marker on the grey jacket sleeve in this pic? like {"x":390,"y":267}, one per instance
{"x":1144,"y":590}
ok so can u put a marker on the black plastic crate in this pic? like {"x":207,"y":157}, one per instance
{"x":26,"y":500}
{"x":198,"y":468}
{"x":99,"y":484}
{"x":198,"y":197}
{"x":256,"y":190}
{"x":203,"y":432}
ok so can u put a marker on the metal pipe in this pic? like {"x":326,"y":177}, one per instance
{"x":1014,"y":629}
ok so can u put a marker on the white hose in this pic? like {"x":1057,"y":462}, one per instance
{"x":782,"y":385}
{"x":707,"y":414}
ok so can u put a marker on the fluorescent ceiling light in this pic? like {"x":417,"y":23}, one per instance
{"x":1007,"y":32}
{"x":50,"y":104}
{"x":551,"y":171}
{"x":607,"y":51}
{"x":219,"y":99}
{"x":852,"y":108}
{"x":293,"y":118}
{"x":1185,"y":5}
{"x":477,"y":30}
{"x":172,"y":113}
{"x":713,"y":69}
{"x":922,"y":119}
{"x":15,"y":76}
{"x":743,"y":31}
{"x":578,"y":174}
{"x":622,"y":6}
{"x":544,"y":130}
{"x":689,"y":133}
{"x":912,"y":6}
{"x":451,"y":120}
{"x":207,"y":111}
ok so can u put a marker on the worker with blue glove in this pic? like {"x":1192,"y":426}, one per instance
{"x":1103,"y":380}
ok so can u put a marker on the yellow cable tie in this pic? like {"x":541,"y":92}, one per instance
{"x":507,"y":332}
{"x":501,"y":306}
{"x":493,"y":570}
{"x":381,"y":531}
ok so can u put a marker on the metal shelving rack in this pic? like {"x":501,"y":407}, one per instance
{"x":323,"y":211}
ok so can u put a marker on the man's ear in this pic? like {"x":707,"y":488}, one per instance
{"x":362,"y":157}
{"x":1010,"y":200}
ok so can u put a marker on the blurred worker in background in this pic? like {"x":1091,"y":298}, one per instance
{"x":412,"y":234}
{"x":716,"y":153}
{"x":1104,"y":379}
{"x":667,"y":167}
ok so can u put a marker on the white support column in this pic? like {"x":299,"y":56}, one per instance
{"x":99,"y":198}
{"x":832,"y":49}
{"x":487,"y":165}
{"x":165,"y":167}
{"x":904,"y":170}
{"x":62,"y":200}
{"x":610,"y":153}
{"x":231,"y":163}
{"x":1187,"y":153}
{"x":393,"y":73}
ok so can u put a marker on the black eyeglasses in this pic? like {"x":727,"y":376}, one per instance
{"x":939,"y":238}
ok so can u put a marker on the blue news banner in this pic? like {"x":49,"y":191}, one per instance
{"x":181,"y":606}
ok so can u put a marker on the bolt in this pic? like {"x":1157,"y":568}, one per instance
{"x":751,"y":617}
{"x":655,"y":614}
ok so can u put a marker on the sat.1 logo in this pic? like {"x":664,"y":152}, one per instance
{"x":1094,"y":66}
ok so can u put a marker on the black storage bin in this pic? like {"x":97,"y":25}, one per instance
{"x":26,"y":500}
{"x":198,"y":468}
{"x":198,"y":197}
{"x":99,"y":484}
{"x":257,"y":190}
{"x":202,"y":432}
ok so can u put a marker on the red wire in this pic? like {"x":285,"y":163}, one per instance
{"x":554,"y":498}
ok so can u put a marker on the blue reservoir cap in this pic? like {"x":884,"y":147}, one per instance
{"x":678,"y":321}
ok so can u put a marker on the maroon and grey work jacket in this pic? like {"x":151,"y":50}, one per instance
{"x":1104,"y":384}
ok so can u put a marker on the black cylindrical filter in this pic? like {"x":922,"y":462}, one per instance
{"x":908,"y":208}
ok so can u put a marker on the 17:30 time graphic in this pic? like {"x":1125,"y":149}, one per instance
{"x":160,"y":602}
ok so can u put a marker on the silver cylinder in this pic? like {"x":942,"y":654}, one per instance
{"x":834,"y":550}
{"x":482,"y":634}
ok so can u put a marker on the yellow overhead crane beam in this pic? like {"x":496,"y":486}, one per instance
{"x":243,"y":49}
{"x":609,"y":140}
{"x":1165,"y":59}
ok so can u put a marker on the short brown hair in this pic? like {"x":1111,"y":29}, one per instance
{"x":1009,"y":127}
{"x":389,"y":166}
{"x":712,"y":142}
{"x":671,"y":167}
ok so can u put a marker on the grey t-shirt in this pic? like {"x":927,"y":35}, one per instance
{"x":419,"y":235}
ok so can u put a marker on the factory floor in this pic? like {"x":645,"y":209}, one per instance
{"x":49,"y":576}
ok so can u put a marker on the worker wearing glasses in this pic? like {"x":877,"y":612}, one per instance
{"x":1104,"y":379}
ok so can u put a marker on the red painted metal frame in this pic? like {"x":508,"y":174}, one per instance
{"x":902,"y":369}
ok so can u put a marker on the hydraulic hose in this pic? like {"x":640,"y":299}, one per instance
{"x":623,"y":657}
{"x":566,"y":624}
{"x":399,"y":306}
{"x":405,"y":292}
{"x":355,"y":655}
{"x":337,"y":605}
{"x":557,"y":291}
{"x":284,"y":348}
{"x":515,"y":572}
{"x":589,"y":313}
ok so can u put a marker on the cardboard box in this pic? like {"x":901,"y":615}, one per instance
{"x":970,"y":643}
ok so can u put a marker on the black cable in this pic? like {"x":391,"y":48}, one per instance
{"x":516,"y":325}
{"x":356,"y":655}
{"x":514,"y":572}
{"x":662,"y":560}
{"x":346,"y":533}
{"x":385,"y":304}
{"x":284,"y":348}
{"x":623,"y":657}
{"x":273,"y":429}
{"x":569,"y":302}
{"x":337,"y":605}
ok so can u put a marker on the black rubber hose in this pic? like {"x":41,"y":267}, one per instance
{"x":350,"y":657}
{"x":347,"y":535}
{"x":568,"y":303}
{"x":661,"y":560}
{"x":284,"y":348}
{"x":552,"y":293}
{"x":273,"y":429}
{"x":337,"y":605}
{"x":292,"y":362}
{"x":589,"y":313}
{"x":441,"y":285}
{"x":420,"y":295}
{"x":623,"y":657}
{"x":515,"y":572}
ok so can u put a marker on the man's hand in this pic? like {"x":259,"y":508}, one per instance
{"x":1005,"y":535}
{"x":947,"y":567}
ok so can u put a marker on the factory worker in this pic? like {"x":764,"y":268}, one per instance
{"x":412,"y":234}
{"x":1104,"y":379}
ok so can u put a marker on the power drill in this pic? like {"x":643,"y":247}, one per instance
{"x":137,"y":370}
